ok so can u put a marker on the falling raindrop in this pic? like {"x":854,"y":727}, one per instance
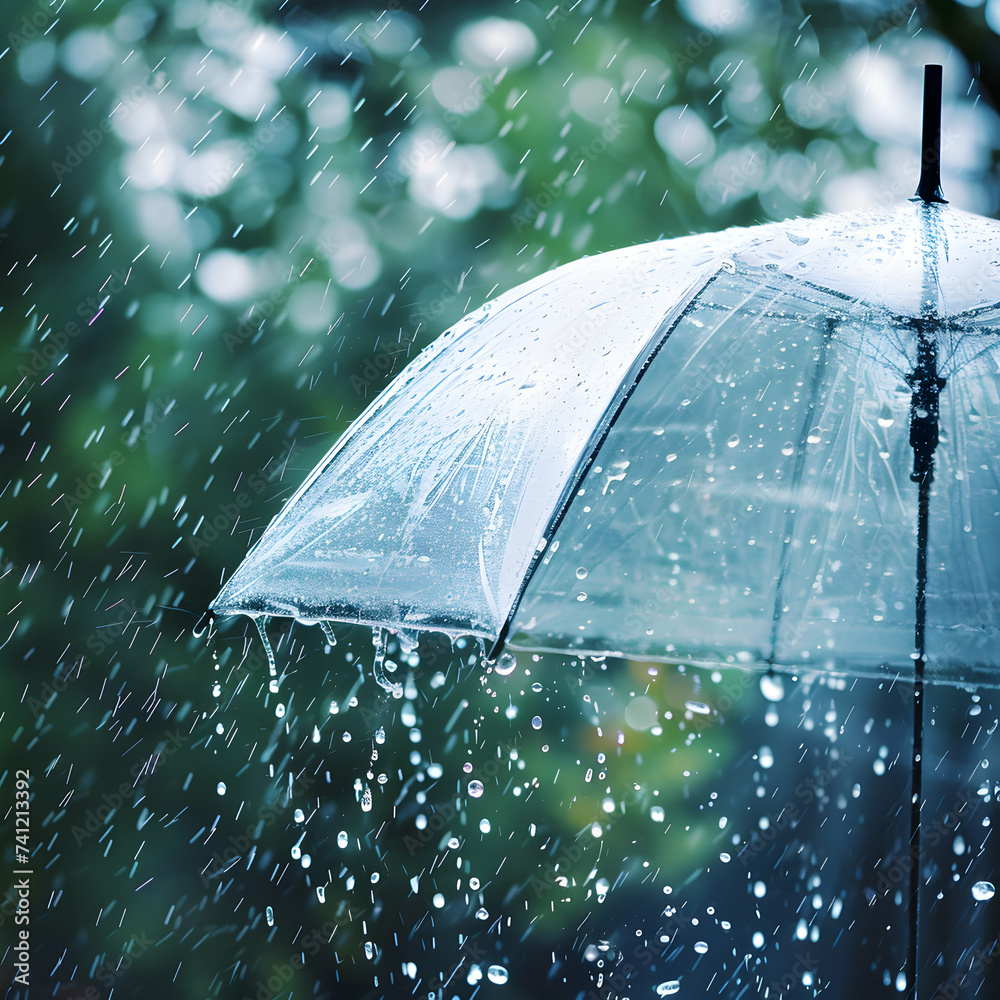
{"x":482,"y":913}
{"x":221,"y":788}
{"x":506,"y":665}
{"x":475,"y":788}
{"x":772,"y":687}
{"x":342,"y":839}
{"x":536,"y":722}
{"x":581,"y":572}
{"x":269,"y":914}
{"x":668,"y":988}
{"x":885,"y":417}
{"x":497,"y":974}
{"x":983,"y":891}
{"x":733,"y":441}
{"x":701,"y":947}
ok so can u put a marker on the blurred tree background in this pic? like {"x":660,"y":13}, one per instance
{"x":225,"y":227}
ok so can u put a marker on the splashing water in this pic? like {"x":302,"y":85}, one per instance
{"x":327,"y":627}
{"x":378,"y":665}
{"x":261,"y":624}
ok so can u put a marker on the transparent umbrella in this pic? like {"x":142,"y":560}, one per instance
{"x":772,"y":447}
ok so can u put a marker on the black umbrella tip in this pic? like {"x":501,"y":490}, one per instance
{"x":929,"y":187}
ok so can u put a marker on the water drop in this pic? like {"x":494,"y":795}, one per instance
{"x":497,"y":974}
{"x":366,"y":800}
{"x":261,"y":624}
{"x":668,"y":988}
{"x":216,"y":690}
{"x":475,"y":788}
{"x":484,"y":826}
{"x":701,"y":947}
{"x":269,"y":914}
{"x":698,"y":707}
{"x":482,"y":913}
{"x":581,"y":572}
{"x":279,"y":710}
{"x":342,"y":839}
{"x":787,"y":448}
{"x":765,"y":757}
{"x":536,"y":722}
{"x":467,"y":767}
{"x":733,"y":441}
{"x":327,"y":627}
{"x":506,"y":664}
{"x":982,"y":891}
{"x":380,"y":735}
{"x":772,"y":687}
{"x":221,"y":788}
{"x":300,"y":816}
{"x":656,"y":814}
{"x":885,"y":417}
{"x":438,"y":900}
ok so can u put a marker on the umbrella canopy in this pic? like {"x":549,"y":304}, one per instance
{"x":697,"y":449}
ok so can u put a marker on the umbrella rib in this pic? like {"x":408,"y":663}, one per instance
{"x":797,"y":471}
{"x":639,"y":368}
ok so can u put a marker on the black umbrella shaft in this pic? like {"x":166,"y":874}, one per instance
{"x":924,"y":435}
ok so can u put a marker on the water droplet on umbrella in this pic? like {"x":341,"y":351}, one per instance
{"x":787,"y":448}
{"x":656,"y":814}
{"x":482,"y":913}
{"x":467,"y":767}
{"x":497,"y":974}
{"x":485,"y":826}
{"x":885,"y":417}
{"x":221,"y":788}
{"x":982,"y":891}
{"x":342,"y":839}
{"x":733,"y":441}
{"x":261,"y":624}
{"x":300,"y":816}
{"x":438,"y":900}
{"x":475,"y":788}
{"x":701,"y":947}
{"x":581,"y":573}
{"x":765,"y":757}
{"x":269,"y":914}
{"x":668,"y":988}
{"x":327,"y":627}
{"x":536,"y":722}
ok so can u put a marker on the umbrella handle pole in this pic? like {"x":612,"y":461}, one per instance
{"x":929,"y":186}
